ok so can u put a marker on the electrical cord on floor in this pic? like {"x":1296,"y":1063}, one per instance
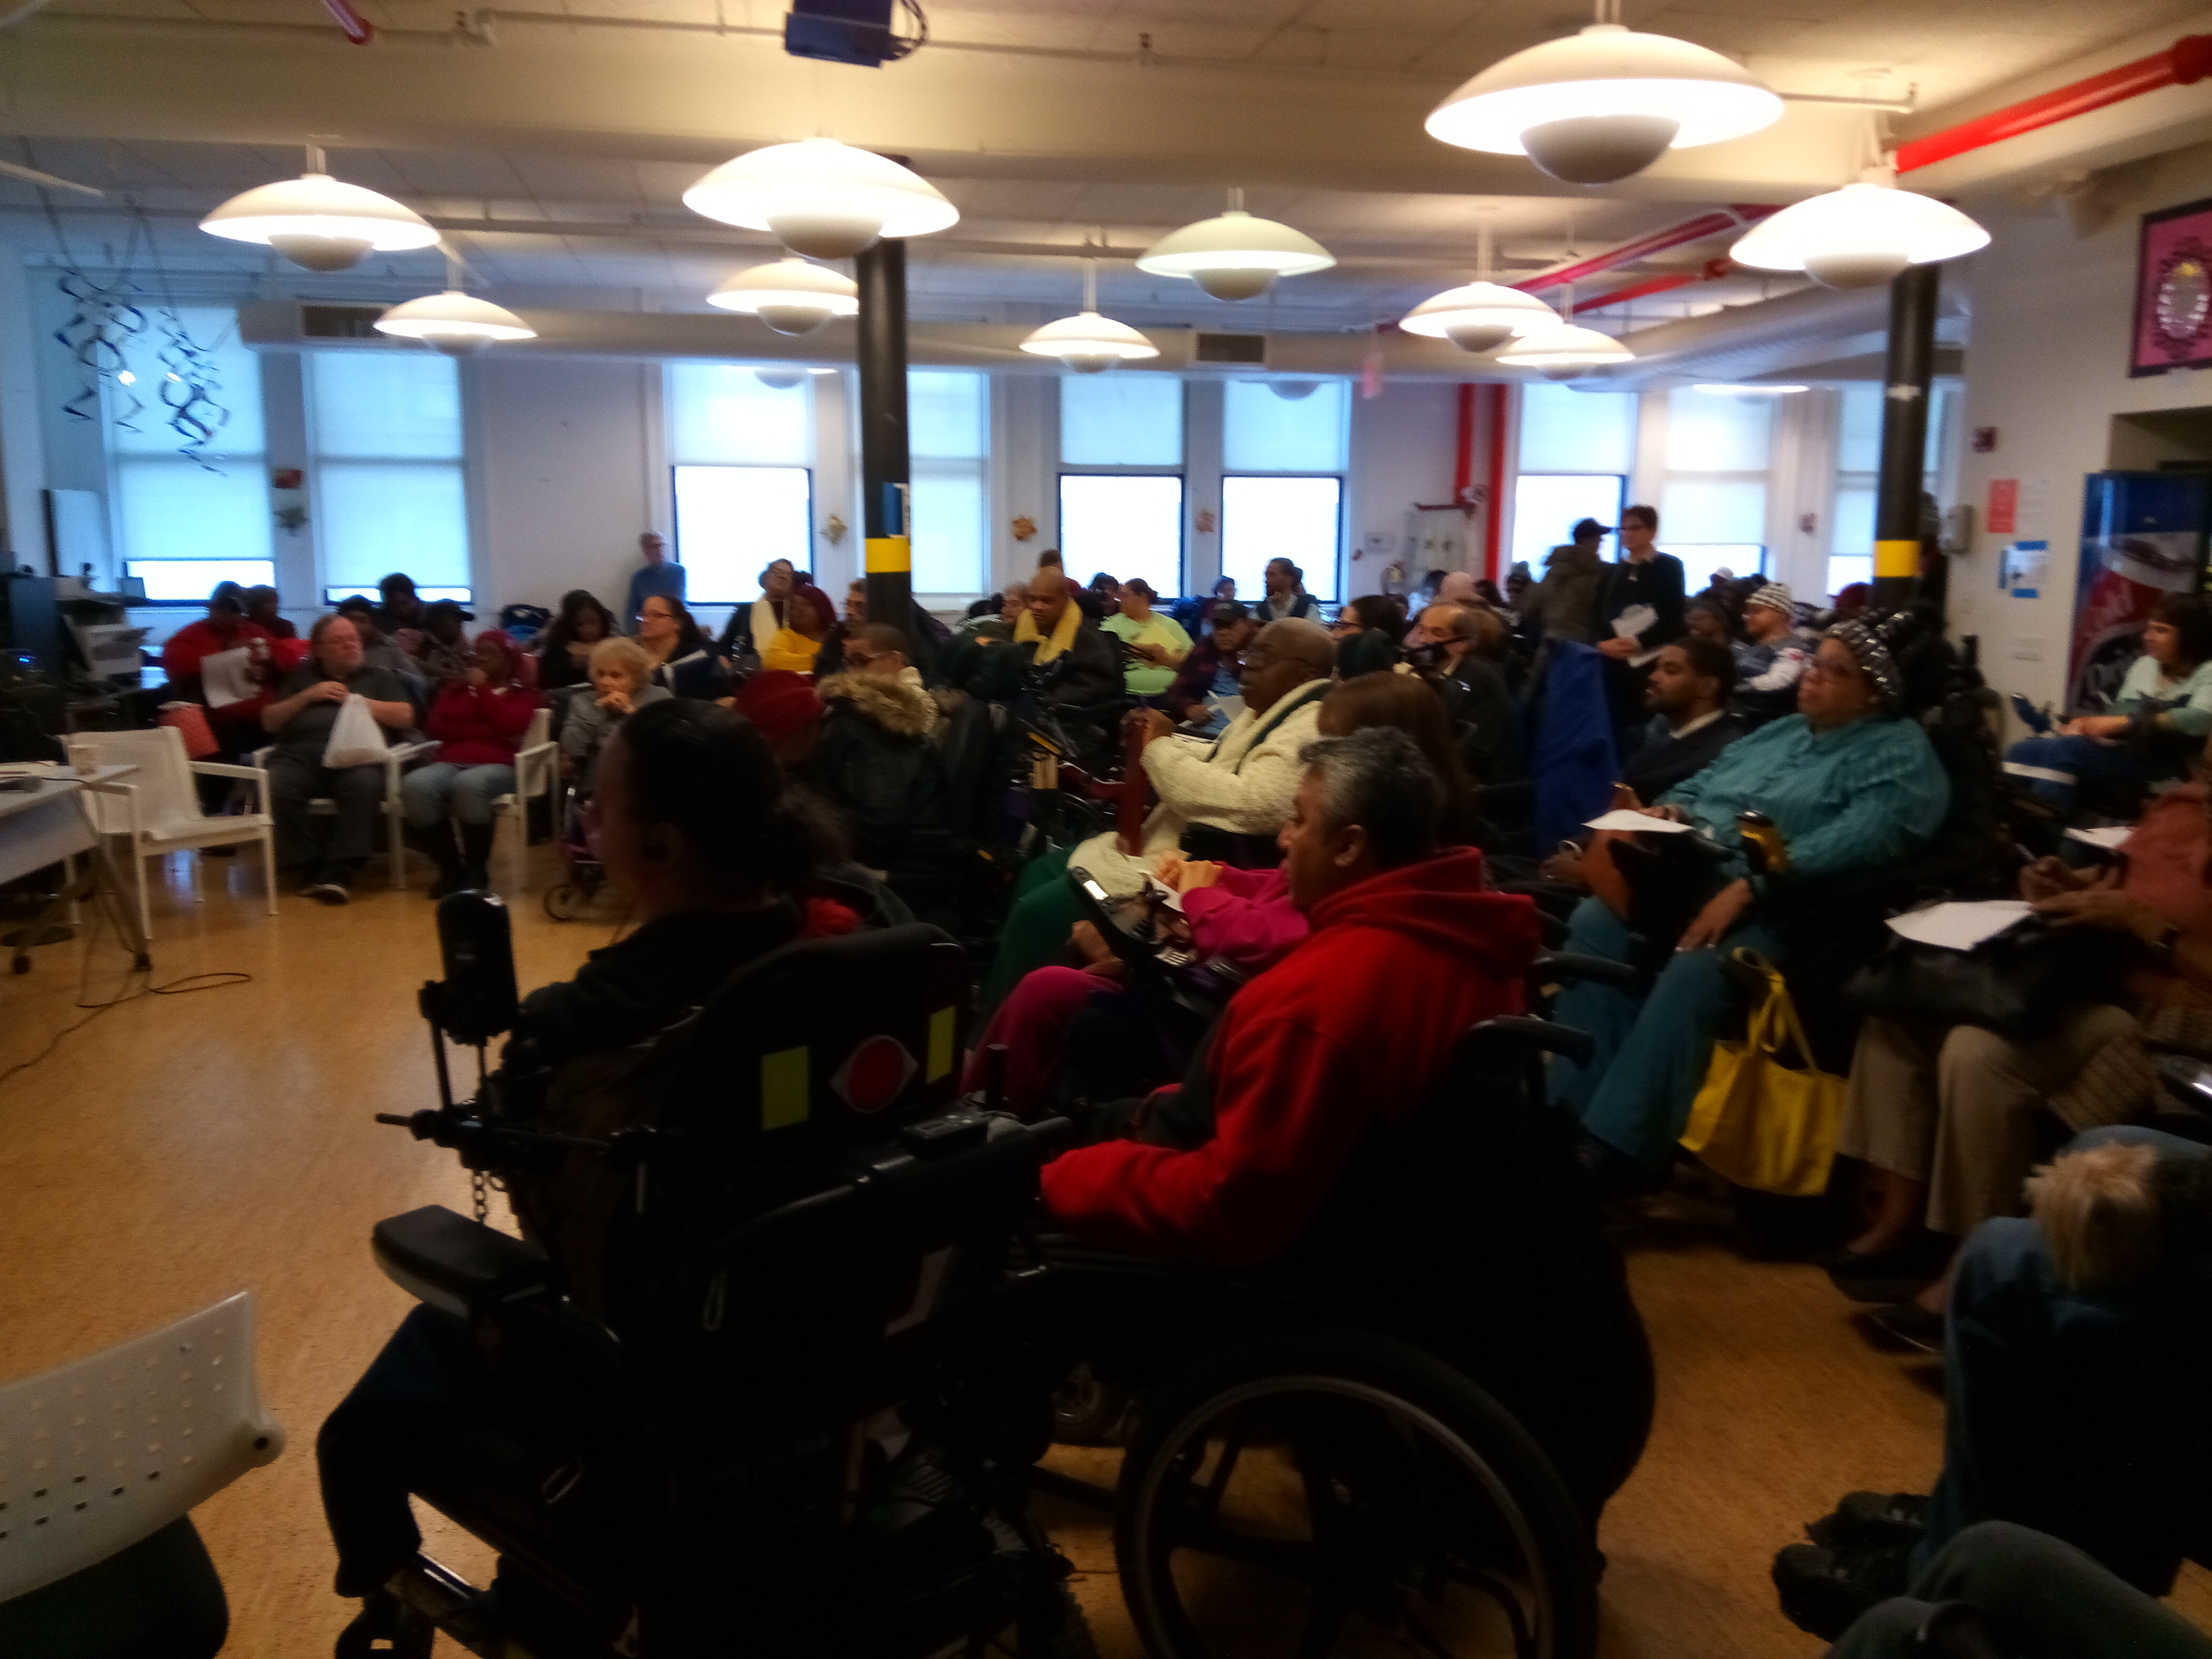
{"x":182,"y":986}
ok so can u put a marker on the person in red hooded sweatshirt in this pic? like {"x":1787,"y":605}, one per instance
{"x":1319,"y":1145}
{"x":479,"y":720}
{"x":236,"y":727}
{"x":1409,"y":948}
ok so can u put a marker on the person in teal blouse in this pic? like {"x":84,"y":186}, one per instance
{"x":1156,"y":639}
{"x":2159,"y":718}
{"x":1851,"y":784}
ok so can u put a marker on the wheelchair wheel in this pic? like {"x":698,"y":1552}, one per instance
{"x":1089,"y":1411}
{"x":1334,"y":1493}
{"x":565,"y":901}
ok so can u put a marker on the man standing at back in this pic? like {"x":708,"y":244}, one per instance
{"x":655,"y":579}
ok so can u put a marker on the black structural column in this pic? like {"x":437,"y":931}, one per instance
{"x":884,"y":469}
{"x":1911,"y":368}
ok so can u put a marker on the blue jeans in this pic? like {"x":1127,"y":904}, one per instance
{"x":428,"y":793}
{"x":2085,"y":760}
{"x":1652,"y":1050}
{"x":2073,"y":1412}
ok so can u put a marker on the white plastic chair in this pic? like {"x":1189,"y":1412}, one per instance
{"x":101,"y":1453}
{"x":537,"y":772}
{"x":395,"y":759}
{"x":157,"y":808}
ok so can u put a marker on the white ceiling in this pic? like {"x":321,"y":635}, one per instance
{"x":601,"y":161}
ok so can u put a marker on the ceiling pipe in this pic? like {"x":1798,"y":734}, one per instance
{"x":358,"y":29}
{"x":1711,"y":271}
{"x":1721,"y":221}
{"x":2184,"y":64}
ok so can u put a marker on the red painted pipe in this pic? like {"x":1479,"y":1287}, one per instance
{"x":1493,"y":537}
{"x":1712,"y":270}
{"x":1718,"y":222}
{"x":358,"y":29}
{"x":1463,"y":453}
{"x":2184,"y":64}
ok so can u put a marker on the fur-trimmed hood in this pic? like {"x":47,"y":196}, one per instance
{"x":901,"y":709}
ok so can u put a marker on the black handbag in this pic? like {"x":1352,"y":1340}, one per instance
{"x":2017,"y":984}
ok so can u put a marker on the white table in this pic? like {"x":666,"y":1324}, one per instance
{"x":49,"y":825}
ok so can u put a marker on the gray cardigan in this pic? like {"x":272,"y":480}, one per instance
{"x":587,"y":722}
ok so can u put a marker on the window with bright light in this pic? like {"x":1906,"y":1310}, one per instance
{"x":391,"y":493}
{"x":948,"y":428}
{"x":1286,"y":426}
{"x":1121,"y":420}
{"x":731,"y":521}
{"x":1548,"y":505}
{"x":200,"y":515}
{"x":1300,"y":519}
{"x":740,"y":450}
{"x":1858,"y":465}
{"x":1713,"y":498}
{"x":1125,"y":524}
{"x":1563,"y":430}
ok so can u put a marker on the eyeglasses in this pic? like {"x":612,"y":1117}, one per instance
{"x":1817,"y":670}
{"x":861,"y":659}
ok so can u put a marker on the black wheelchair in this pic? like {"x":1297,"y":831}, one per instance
{"x":794,"y":1396}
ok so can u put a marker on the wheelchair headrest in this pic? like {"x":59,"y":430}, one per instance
{"x":828,"y":1041}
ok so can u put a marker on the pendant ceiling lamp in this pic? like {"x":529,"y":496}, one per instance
{"x":1235,"y":256}
{"x":820,"y":198}
{"x":1861,"y":236}
{"x":791,"y":296}
{"x":1481,"y":316}
{"x":1604,"y":103}
{"x":453,"y":322}
{"x":1564,"y":346}
{"x":319,"y":222}
{"x":1087,"y":342}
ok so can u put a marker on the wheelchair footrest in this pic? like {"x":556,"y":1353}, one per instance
{"x":461,"y":1265}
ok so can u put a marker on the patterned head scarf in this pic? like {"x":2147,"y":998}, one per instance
{"x":1871,"y":651}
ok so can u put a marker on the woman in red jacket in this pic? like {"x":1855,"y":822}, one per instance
{"x":477,"y":721}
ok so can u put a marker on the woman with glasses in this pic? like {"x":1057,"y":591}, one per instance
{"x":1847,"y":783}
{"x":676,"y":654}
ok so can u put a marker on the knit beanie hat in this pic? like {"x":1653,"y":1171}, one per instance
{"x":1776,"y":597}
{"x":1867,"y":645}
{"x":779,"y":703}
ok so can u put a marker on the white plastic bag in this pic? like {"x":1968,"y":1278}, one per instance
{"x":355,"y":738}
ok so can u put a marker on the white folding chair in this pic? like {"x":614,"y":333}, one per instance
{"x":395,"y":759}
{"x":537,"y":772}
{"x":103,"y":1452}
{"x":157,"y":808}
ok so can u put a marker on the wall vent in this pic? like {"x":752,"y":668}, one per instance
{"x":1247,"y":350}
{"x":340,"y":322}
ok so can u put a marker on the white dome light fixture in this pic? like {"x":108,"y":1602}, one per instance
{"x":1564,"y":346}
{"x":318,"y":222}
{"x":1235,"y":256}
{"x":791,"y":296}
{"x":1481,"y":316}
{"x":1604,"y":103}
{"x":1859,"y":236}
{"x":1088,"y":343}
{"x":779,"y":380}
{"x":822,"y":197}
{"x":454,"y":323}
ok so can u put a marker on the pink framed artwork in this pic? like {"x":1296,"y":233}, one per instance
{"x":2174,"y":291}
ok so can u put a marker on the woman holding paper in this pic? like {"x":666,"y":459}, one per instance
{"x":222,"y":662}
{"x":1947,"y":1120}
{"x":327,"y":851}
{"x":1848,"y":784}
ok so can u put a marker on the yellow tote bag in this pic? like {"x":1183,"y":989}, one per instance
{"x":1760,"y":1123}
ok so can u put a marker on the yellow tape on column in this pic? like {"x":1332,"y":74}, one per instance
{"x":887,"y":554}
{"x":1901,"y":558}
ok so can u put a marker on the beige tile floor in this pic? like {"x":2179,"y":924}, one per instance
{"x":178,"y":1148}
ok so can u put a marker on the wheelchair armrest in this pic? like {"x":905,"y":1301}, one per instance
{"x":1572,"y":968}
{"x":458,"y":1265}
{"x":1521,"y":1031}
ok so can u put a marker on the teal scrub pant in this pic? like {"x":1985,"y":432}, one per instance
{"x":1045,"y":911}
{"x":1652,"y":1048}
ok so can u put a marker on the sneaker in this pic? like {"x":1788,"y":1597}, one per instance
{"x":327,"y":892}
{"x":1871,"y":1519}
{"x":1910,"y":1324}
{"x":1824,"y":1591}
{"x":2036,"y":720}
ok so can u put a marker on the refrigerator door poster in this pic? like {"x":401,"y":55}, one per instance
{"x":2142,"y":537}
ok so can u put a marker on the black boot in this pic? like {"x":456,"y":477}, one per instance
{"x":476,"y":854}
{"x":436,"y":843}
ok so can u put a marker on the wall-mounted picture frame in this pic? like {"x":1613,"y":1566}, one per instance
{"x":2173,"y":290}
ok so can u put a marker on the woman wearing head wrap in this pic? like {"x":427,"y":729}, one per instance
{"x":1848,"y":784}
{"x":808,"y":618}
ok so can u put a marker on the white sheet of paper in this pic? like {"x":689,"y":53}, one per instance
{"x":227,"y":676}
{"x":1960,"y":925}
{"x":2108,"y":836}
{"x":1623,"y":819}
{"x":1166,"y":895}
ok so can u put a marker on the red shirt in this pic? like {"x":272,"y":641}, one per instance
{"x":181,"y":656}
{"x":479,"y":726}
{"x":1359,"y":1020}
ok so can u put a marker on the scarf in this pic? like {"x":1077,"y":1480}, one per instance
{"x":1063,"y":632}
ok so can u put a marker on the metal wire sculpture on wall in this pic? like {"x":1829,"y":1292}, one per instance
{"x":190,"y":384}
{"x":105,"y":321}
